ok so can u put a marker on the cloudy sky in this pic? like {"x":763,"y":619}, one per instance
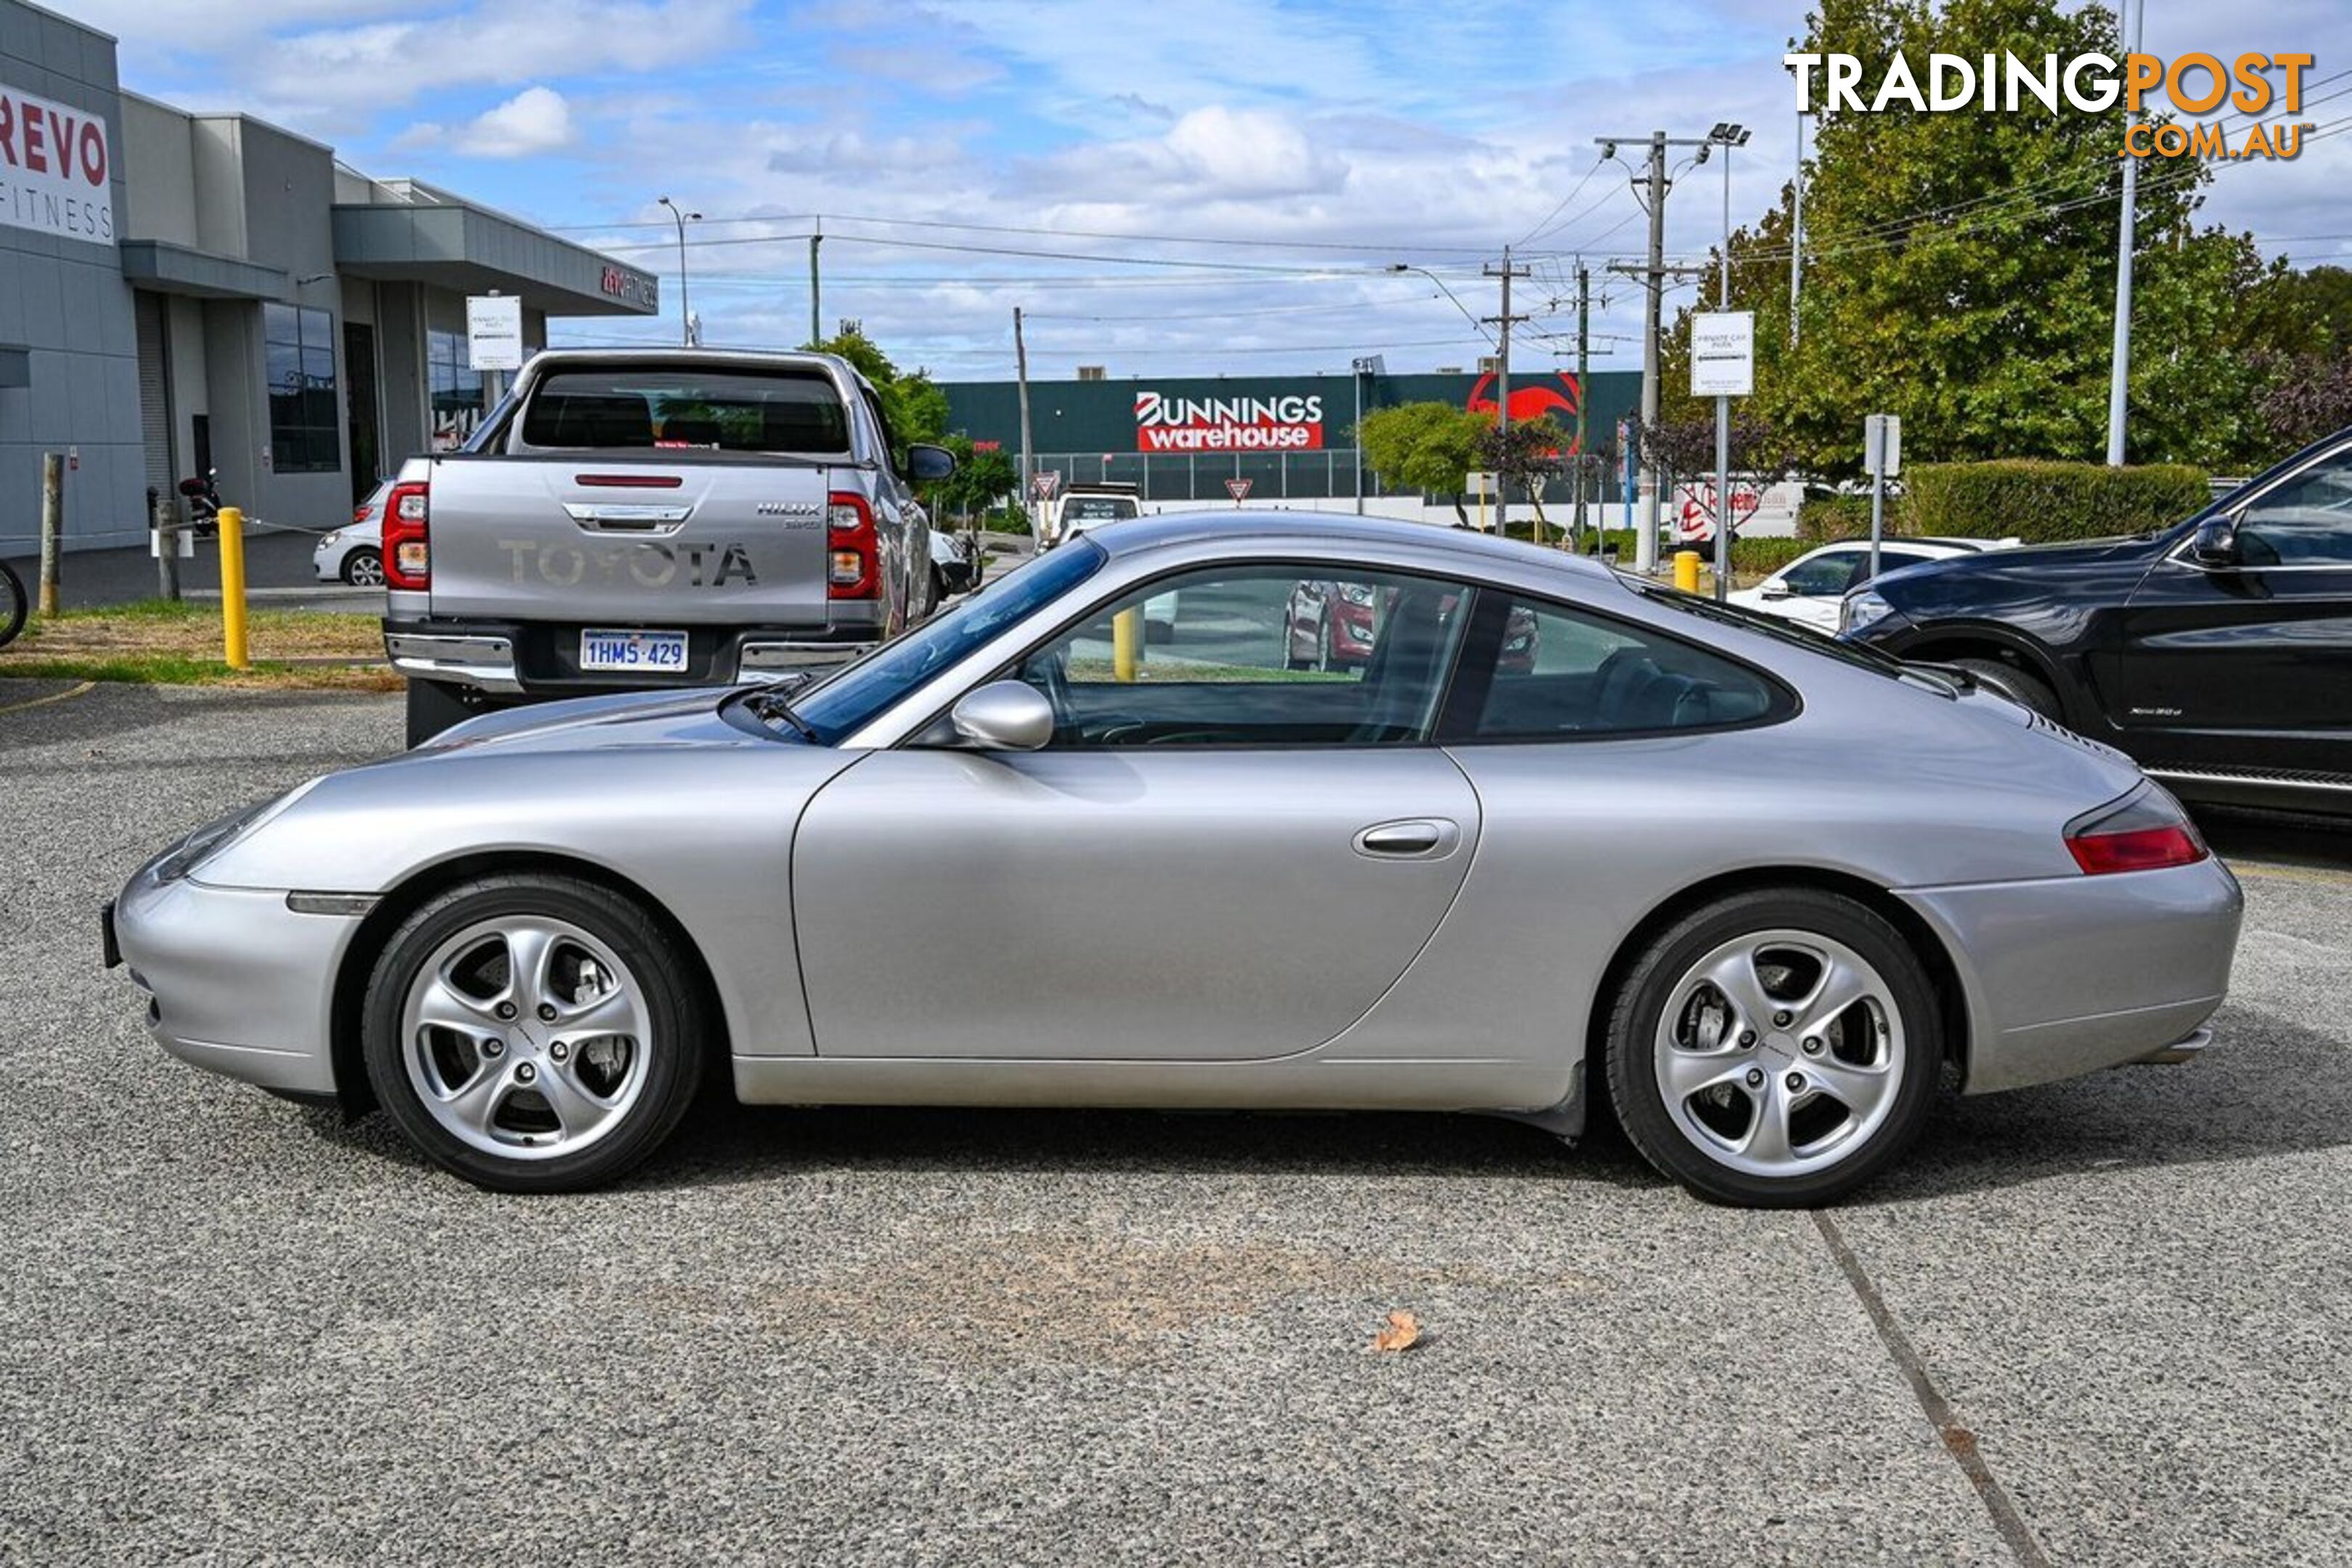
{"x":1166,"y":188}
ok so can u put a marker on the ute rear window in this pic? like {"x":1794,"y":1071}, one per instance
{"x":685,"y":410}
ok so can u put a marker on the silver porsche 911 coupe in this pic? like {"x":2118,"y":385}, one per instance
{"x":1558,"y":835}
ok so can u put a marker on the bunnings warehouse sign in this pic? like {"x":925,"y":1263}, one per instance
{"x":54,"y":169}
{"x":1291,"y":423}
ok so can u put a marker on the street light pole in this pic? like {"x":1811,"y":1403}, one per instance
{"x":2120,"y":372}
{"x":684,"y":297}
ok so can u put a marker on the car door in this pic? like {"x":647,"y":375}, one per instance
{"x":2249,"y":665}
{"x":1218,"y":857}
{"x":1808,"y":590}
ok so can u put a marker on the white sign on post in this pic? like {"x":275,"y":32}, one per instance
{"x":1882,"y":443}
{"x":1723,"y":353}
{"x":494,"y":330}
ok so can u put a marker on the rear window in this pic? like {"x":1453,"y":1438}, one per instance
{"x":687,"y":410}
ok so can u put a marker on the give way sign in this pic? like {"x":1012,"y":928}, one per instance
{"x":1239,"y":489}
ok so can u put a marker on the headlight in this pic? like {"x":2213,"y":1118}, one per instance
{"x":1357,"y":592}
{"x":1860,"y":609}
{"x":213,"y":836}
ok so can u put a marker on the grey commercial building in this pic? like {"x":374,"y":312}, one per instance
{"x":182,"y":291}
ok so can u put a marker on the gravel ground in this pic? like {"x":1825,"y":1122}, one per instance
{"x":236,"y":1330}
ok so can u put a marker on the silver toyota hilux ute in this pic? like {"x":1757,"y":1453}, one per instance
{"x":643,"y":518}
{"x":1558,"y":835}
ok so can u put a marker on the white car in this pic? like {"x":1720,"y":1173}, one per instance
{"x":1807,"y":590}
{"x":353,"y":553}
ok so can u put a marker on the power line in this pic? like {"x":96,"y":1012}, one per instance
{"x":1387,"y":245}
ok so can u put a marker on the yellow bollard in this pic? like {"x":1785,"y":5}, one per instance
{"x":1126,"y":643}
{"x":232,"y":563}
{"x":1686,"y":570}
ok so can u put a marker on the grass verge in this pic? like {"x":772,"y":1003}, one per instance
{"x":158,"y":642}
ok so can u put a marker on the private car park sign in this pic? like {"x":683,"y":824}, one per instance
{"x":55,"y":169}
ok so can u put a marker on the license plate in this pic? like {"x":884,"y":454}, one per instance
{"x":658,"y":653}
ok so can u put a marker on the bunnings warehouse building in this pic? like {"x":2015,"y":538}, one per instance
{"x":181,"y":291}
{"x":1290,"y":437}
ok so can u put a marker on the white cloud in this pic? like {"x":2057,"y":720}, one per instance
{"x":535,"y":120}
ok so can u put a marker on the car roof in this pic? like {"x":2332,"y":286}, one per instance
{"x":1320,"y":530}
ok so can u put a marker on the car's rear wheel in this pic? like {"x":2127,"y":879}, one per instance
{"x":1775,"y":1049}
{"x":2022,"y":687}
{"x":533,"y":1033}
{"x":364,"y":568}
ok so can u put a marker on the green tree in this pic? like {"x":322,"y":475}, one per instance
{"x":980,"y":480}
{"x":1960,"y":268}
{"x":915,"y":407}
{"x":1426,"y":447}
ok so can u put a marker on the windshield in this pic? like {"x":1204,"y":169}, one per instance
{"x":1772,"y":626}
{"x":791,"y":409}
{"x":845,"y":701}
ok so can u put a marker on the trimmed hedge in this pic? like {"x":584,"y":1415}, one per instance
{"x":2041,"y":501}
{"x":1823,"y":519}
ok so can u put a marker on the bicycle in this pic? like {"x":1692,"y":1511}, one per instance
{"x":13,"y":604}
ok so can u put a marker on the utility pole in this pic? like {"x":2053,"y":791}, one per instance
{"x":816,"y":333}
{"x":1028,"y":454}
{"x":1583,"y":354}
{"x":1655,"y":185}
{"x":2119,"y":372}
{"x":1797,"y":226}
{"x":1503,"y":372}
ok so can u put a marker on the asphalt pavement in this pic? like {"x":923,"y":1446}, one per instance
{"x":2102,"y":1321}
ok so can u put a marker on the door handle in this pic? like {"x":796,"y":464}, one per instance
{"x":662,"y":520}
{"x":1416,"y":838}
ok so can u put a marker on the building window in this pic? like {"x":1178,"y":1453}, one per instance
{"x":456,"y":389}
{"x":305,"y":425}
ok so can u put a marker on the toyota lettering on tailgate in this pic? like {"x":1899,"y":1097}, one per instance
{"x":647,"y":564}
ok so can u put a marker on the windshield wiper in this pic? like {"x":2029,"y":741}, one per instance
{"x":767,"y":703}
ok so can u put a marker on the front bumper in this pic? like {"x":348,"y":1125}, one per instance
{"x":536,"y":659}
{"x":237,"y":983}
{"x":2065,"y":975}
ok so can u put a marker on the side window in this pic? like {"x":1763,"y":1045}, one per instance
{"x":1889,"y":561}
{"x":1824,"y":576}
{"x":1255,"y":656}
{"x":2307,"y":522}
{"x":1561,"y":674}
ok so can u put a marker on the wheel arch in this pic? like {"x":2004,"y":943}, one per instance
{"x":349,"y":991}
{"x":1943,"y":971}
{"x":2003,"y":645}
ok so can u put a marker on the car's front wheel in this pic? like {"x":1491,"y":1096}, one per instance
{"x":1777,"y":1048}
{"x":533,"y":1033}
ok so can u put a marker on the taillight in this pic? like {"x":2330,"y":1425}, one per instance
{"x":2146,"y":831}
{"x":853,"y":550}
{"x":407,"y":548}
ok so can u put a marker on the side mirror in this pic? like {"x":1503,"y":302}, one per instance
{"x":1004,"y":716}
{"x":2215,"y":542}
{"x":927,"y":462}
{"x":1775,"y":590}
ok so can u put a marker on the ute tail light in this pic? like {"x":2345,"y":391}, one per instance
{"x":407,"y":542}
{"x":2145,"y":831}
{"x":853,"y":563}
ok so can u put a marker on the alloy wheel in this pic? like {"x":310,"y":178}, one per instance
{"x":1779,"y":1053}
{"x":526,"y":1038}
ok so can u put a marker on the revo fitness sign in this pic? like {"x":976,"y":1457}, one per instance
{"x":54,"y":169}
{"x":1165,"y":424}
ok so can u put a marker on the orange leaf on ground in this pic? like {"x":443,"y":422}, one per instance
{"x":1404,"y":1329}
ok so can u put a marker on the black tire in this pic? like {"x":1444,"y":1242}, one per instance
{"x":674,"y":1053}
{"x":2022,"y":687}
{"x":1327,"y":658}
{"x":434,"y":706}
{"x":13,"y":604}
{"x":1638,"y":1013}
{"x":364,"y":568}
{"x":939,"y":590}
